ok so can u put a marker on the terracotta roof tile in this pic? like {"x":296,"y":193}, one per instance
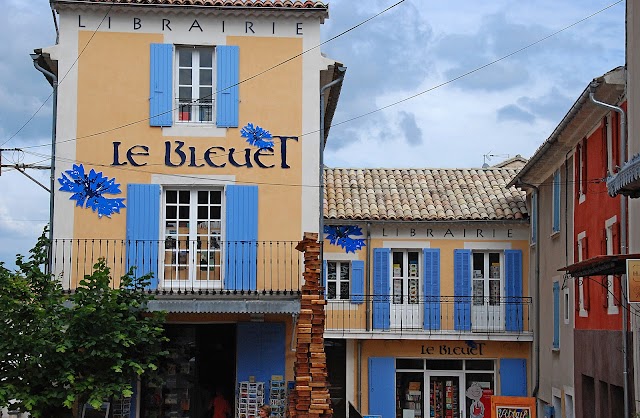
{"x":286,"y":4}
{"x":422,"y":194}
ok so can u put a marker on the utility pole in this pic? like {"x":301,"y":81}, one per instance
{"x":21,"y":168}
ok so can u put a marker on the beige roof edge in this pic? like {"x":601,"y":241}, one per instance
{"x":328,"y":74}
{"x":609,"y":83}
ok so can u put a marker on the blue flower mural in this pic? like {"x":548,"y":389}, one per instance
{"x":343,"y":236}
{"x":88,"y":190}
{"x":257,"y":136}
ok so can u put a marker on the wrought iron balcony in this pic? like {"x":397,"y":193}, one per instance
{"x":444,"y":315}
{"x":181,"y":267}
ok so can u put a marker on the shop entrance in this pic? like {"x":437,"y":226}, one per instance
{"x":444,"y":394}
{"x":201,"y":361}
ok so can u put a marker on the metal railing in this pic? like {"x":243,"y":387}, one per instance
{"x":431,"y":315}
{"x":204,"y":266}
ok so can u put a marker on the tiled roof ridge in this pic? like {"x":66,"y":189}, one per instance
{"x":423,"y":194}
{"x":294,"y":4}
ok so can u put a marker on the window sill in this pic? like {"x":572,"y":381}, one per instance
{"x":555,"y":350}
{"x":582,"y":198}
{"x":554,"y":234}
{"x":194,"y":129}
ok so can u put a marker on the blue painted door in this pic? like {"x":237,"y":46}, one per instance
{"x":261,"y":350}
{"x":513,"y":377}
{"x":382,"y":387}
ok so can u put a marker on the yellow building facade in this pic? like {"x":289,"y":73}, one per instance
{"x":426,"y":276}
{"x":187,"y":146}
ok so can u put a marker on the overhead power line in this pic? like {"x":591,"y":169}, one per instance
{"x":234,"y":85}
{"x":61,"y":80}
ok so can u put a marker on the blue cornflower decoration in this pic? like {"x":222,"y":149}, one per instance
{"x":88,"y":190}
{"x":257,"y":136}
{"x":342,"y":236}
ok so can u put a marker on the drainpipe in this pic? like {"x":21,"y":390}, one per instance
{"x":321,"y":169}
{"x":359,"y":342}
{"x":623,"y":247}
{"x":536,"y":347}
{"x":54,"y":82}
{"x":367,"y":285}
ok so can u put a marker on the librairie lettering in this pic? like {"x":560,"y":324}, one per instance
{"x":445,"y":350}
{"x":176,"y":154}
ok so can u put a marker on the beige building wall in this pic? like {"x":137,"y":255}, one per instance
{"x":556,"y":365}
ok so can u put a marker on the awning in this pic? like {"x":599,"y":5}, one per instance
{"x":601,"y":265}
{"x":257,"y":306}
{"x":626,"y":181}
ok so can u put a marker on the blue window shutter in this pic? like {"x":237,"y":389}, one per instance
{"x":240,"y":260}
{"x":261,"y":348}
{"x":381,"y":308}
{"x":357,"y":281}
{"x":513,"y":377}
{"x":382,"y":386}
{"x":431,"y":288}
{"x":462,"y":289}
{"x":513,"y":285}
{"x":143,"y":229}
{"x":161,"y":85}
{"x":556,"y":201}
{"x":556,"y":315}
{"x":228,"y":69}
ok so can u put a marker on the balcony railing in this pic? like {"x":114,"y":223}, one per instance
{"x":431,"y":315}
{"x":206,"y":266}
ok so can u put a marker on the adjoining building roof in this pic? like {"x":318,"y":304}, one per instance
{"x":583,"y":116}
{"x":288,"y":4}
{"x":515,"y":162}
{"x":423,"y":195}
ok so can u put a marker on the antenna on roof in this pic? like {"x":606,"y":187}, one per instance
{"x":487,"y":157}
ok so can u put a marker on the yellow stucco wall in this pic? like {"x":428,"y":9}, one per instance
{"x":113,"y":90}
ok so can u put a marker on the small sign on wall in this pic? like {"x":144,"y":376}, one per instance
{"x":513,"y":407}
{"x":633,"y":280}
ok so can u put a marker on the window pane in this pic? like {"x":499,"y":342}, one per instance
{"x":215,"y":197}
{"x":331,"y":270}
{"x":202,"y":213}
{"x":494,"y":265}
{"x":494,"y":292}
{"x":344,"y":271}
{"x":331,"y":290}
{"x":479,"y":365}
{"x":185,"y":57}
{"x":172,"y":196}
{"x":206,"y":95}
{"x":184,"y":196}
{"x":206,"y":57}
{"x":184,"y":94}
{"x":478,"y":292}
{"x":202,"y":197}
{"x":397,"y":291}
{"x":478,"y":265}
{"x":214,"y":212}
{"x":397,"y":263}
{"x":344,"y":290}
{"x":184,"y":212}
{"x":184,"y":77}
{"x":444,"y":364}
{"x":206,"y":77}
{"x":413,"y":264}
{"x":402,"y":363}
{"x":172,"y":212}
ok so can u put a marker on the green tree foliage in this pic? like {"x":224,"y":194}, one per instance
{"x":60,"y":350}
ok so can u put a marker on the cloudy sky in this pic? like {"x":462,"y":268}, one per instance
{"x":505,"y":109}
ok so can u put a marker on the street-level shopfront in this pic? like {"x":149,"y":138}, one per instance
{"x":442,"y":379}
{"x":208,"y":357}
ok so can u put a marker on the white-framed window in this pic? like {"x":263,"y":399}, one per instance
{"x":581,"y":281}
{"x":195,"y":78}
{"x":338,"y":280}
{"x":192,"y":233}
{"x":567,"y":306}
{"x":405,"y":277}
{"x":581,"y":170}
{"x":486,"y":285}
{"x":556,"y":201}
{"x":610,"y":224}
